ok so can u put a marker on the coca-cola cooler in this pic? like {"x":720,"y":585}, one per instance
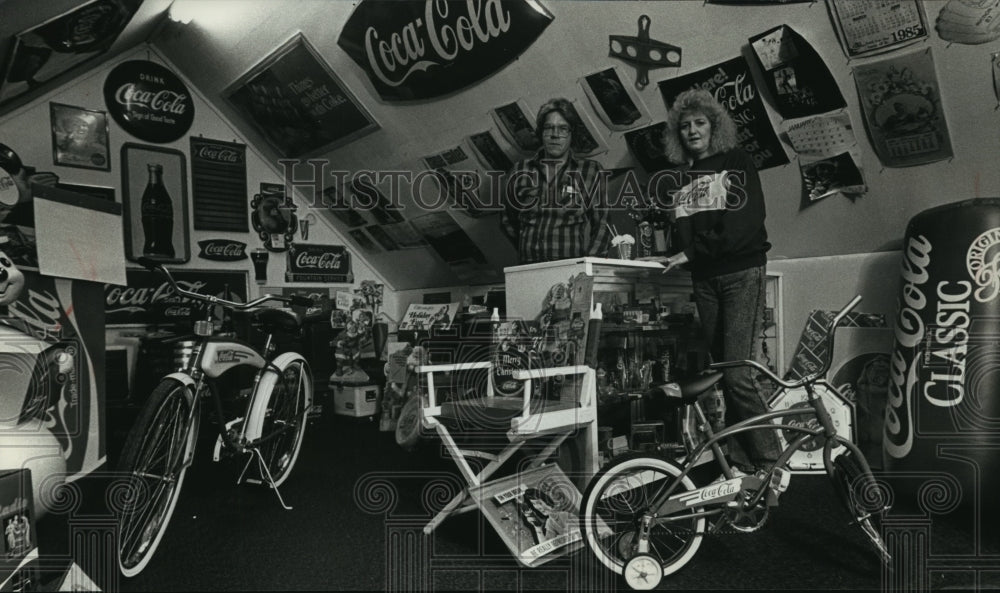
{"x":941,"y":444}
{"x":67,"y":246}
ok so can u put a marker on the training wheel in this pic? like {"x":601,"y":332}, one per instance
{"x":643,"y":572}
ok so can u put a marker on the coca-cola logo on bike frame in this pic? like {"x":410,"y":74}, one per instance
{"x":148,"y":101}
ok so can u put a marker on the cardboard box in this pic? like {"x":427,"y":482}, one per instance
{"x":356,"y":400}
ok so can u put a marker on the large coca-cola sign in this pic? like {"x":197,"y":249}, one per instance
{"x":148,"y":298}
{"x":148,"y":101}
{"x":318,"y":263}
{"x":222,"y":250}
{"x":419,"y":50}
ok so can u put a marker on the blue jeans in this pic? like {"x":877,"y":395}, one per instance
{"x":731,"y":307}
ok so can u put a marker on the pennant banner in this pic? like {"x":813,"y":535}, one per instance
{"x":902,"y":105}
{"x":733,"y":86}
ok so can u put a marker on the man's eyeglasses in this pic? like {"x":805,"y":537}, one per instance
{"x":558,"y":129}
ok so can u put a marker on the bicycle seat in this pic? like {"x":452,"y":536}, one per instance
{"x":280,"y":319}
{"x":692,"y":388}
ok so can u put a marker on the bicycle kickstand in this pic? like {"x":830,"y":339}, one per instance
{"x":270,"y":480}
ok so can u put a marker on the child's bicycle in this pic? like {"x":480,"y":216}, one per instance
{"x":644,"y":517}
{"x":160,"y":445}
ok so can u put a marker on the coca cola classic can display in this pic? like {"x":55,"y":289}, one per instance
{"x":942,"y":423}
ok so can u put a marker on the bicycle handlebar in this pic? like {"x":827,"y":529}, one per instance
{"x":156,"y":266}
{"x":824,"y":367}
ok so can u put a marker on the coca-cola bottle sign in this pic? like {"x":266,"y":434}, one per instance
{"x":148,"y":101}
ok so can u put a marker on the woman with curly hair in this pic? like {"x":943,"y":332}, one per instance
{"x":718,"y":209}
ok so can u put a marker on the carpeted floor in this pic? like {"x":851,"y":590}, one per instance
{"x":360,"y":503}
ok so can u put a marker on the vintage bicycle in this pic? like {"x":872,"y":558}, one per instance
{"x":644,"y":517}
{"x":160,"y":446}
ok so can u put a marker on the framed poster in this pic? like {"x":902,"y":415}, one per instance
{"x":298,"y":103}
{"x":154,"y":203}
{"x":79,"y":137}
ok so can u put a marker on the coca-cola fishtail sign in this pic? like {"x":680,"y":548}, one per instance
{"x":421,"y":50}
{"x":222,"y":250}
{"x":148,"y":101}
{"x":318,"y":263}
{"x":148,"y":298}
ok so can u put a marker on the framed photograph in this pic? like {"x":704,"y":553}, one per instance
{"x":79,"y":137}
{"x":614,"y":102}
{"x":154,"y":203}
{"x":298,"y":103}
{"x":514,"y":123}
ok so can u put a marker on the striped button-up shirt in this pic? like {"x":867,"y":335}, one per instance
{"x":558,"y":219}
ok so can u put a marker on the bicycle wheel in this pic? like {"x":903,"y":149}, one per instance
{"x":279,"y":411}
{"x":862,"y":498}
{"x":155,"y":457}
{"x":618,"y":497}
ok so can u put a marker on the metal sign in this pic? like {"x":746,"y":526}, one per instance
{"x":148,"y":101}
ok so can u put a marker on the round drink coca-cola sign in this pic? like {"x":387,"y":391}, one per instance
{"x":148,"y":101}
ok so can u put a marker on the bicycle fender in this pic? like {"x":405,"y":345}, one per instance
{"x":185,"y":380}
{"x":258,"y":406}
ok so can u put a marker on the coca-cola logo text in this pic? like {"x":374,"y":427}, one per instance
{"x":394,"y":58}
{"x":140,"y":297}
{"x":220,"y":154}
{"x":323,"y":261}
{"x":222,"y":250}
{"x":148,"y":101}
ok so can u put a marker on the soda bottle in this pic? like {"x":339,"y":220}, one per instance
{"x":157,"y":215}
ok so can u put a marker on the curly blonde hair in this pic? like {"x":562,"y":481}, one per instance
{"x":698,"y":101}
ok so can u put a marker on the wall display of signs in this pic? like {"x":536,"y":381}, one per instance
{"x":969,"y":21}
{"x":836,"y":174}
{"x":487,"y":149}
{"x":798,"y":79}
{"x":219,"y":185}
{"x":272,"y":214}
{"x":341,"y":209}
{"x":368,"y":197}
{"x":148,"y":299}
{"x":643,"y":53}
{"x":148,"y":101}
{"x":822,"y":135}
{"x":733,"y":86}
{"x":363,"y":240}
{"x":298,"y":103}
{"x":447,"y":238}
{"x":59,"y":45}
{"x":425,"y":316}
{"x":423,"y":50}
{"x":381,"y":237}
{"x":318,"y":263}
{"x":867,"y":27}
{"x":79,"y":137}
{"x":618,"y":107}
{"x":458,"y":179}
{"x":404,"y":235}
{"x":901,"y":102}
{"x":517,"y":126}
{"x":222,"y":250}
{"x":154,"y":203}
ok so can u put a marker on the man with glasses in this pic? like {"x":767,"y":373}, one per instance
{"x":555,"y":202}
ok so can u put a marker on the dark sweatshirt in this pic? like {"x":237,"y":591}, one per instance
{"x":720,"y":215}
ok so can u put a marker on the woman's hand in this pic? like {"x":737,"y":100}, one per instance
{"x":668,"y":262}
